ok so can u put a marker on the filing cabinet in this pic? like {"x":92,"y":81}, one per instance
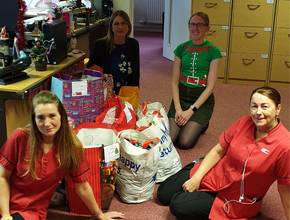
{"x":254,"y":37}
{"x":219,"y":12}
{"x":250,"y":41}
{"x":279,"y":75}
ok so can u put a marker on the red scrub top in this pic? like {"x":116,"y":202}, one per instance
{"x":247,"y":170}
{"x":30,"y":197}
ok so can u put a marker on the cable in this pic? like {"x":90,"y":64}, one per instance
{"x":227,"y":203}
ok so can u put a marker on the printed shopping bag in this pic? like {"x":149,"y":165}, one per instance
{"x":130,"y":94}
{"x":169,"y":162}
{"x":108,"y":83}
{"x":102,"y":150}
{"x":83,"y":98}
{"x":137,"y":166}
{"x":118,"y":113}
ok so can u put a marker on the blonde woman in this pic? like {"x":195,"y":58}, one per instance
{"x":117,"y":53}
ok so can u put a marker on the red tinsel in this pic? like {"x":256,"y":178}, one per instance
{"x":22,"y":39}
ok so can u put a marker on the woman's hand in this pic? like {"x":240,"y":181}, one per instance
{"x":182,"y":117}
{"x":191,"y":185}
{"x":111,"y":215}
{"x":6,"y":217}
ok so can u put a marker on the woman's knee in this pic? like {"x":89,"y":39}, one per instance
{"x":195,"y":205}
{"x":186,"y":144}
{"x":163,"y":196}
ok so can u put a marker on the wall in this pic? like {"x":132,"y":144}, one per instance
{"x":127,"y":6}
{"x":140,"y":17}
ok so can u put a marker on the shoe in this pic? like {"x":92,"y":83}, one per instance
{"x":205,"y":128}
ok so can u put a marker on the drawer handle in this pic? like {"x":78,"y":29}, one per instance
{"x":210,"y":32}
{"x":248,"y":61}
{"x":251,"y":34}
{"x":253,"y":7}
{"x":287,"y":63}
{"x":210,"y":5}
{"x":288,"y":35}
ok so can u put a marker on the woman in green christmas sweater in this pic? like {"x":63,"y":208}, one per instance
{"x":195,"y":72}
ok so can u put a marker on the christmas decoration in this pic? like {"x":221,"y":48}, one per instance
{"x":22,"y":39}
{"x":50,"y":13}
{"x":36,"y":31}
{"x":39,"y":51}
{"x":4,"y":34}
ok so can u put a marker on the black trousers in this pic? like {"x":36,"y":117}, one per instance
{"x":184,"y":205}
{"x":16,"y":216}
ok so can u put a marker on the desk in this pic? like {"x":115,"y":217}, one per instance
{"x":14,"y":107}
{"x":85,"y":35}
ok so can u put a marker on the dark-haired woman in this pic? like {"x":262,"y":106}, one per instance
{"x":233,"y":178}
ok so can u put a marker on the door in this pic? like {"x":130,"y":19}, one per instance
{"x":176,"y":16}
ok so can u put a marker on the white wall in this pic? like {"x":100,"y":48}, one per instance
{"x":140,"y":10}
{"x":140,"y":14}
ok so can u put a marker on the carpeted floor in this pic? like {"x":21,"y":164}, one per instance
{"x":232,"y":102}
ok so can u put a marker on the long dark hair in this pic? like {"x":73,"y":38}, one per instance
{"x":270,"y":93}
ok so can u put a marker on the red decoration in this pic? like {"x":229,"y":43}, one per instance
{"x":198,"y":49}
{"x":21,"y":9}
{"x":4,"y":35}
{"x":47,"y":53}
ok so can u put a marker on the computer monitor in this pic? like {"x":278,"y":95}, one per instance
{"x":9,"y":17}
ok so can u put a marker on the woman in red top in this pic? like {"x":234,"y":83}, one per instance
{"x":33,"y":161}
{"x":235,"y":175}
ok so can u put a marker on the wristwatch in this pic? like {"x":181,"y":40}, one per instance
{"x":193,"y":108}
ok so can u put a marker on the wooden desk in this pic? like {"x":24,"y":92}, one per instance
{"x":14,"y":106}
{"x":85,"y":35}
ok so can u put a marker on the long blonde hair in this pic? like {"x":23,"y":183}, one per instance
{"x":110,"y":34}
{"x":69,"y":146}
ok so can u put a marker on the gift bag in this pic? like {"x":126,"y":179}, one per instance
{"x":154,"y":108}
{"x":108,"y":83}
{"x":137,"y":166}
{"x":169,"y":162}
{"x":82,"y":99}
{"x":118,"y":113}
{"x":76,"y":205}
{"x":102,"y":151}
{"x":130,"y":94}
{"x":76,"y":69}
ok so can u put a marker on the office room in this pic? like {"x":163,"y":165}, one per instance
{"x":253,"y":39}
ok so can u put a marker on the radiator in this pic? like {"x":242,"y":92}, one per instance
{"x":155,"y":9}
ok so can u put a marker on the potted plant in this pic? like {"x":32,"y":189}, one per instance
{"x":39,"y":52}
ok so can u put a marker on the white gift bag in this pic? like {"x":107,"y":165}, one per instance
{"x":169,"y":162}
{"x":154,"y":108}
{"x":137,"y":168}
